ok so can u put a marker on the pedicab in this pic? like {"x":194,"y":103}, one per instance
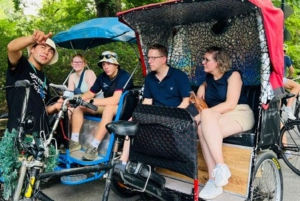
{"x":84,"y":36}
{"x":166,"y":162}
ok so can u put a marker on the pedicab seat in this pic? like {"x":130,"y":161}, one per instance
{"x":129,"y":101}
{"x":247,"y":138}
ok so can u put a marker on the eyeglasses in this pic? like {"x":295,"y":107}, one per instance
{"x":77,"y":62}
{"x":205,"y":60}
{"x":153,"y":58}
{"x":108,"y":56}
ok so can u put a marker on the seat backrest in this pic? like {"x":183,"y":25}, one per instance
{"x":167,"y":138}
{"x":129,"y":103}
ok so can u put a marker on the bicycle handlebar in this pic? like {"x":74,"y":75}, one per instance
{"x":19,"y":84}
{"x":79,"y":101}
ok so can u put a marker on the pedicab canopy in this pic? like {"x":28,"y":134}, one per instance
{"x":94,"y":32}
{"x":251,"y":31}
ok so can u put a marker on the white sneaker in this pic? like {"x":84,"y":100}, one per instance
{"x":291,"y":116}
{"x":288,"y":155}
{"x":288,"y":113}
{"x":210,"y":191}
{"x":221,"y":173}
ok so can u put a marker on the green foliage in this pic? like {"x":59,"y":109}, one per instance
{"x":10,"y":160}
{"x":292,"y":23}
{"x":9,"y":163}
{"x":127,"y":4}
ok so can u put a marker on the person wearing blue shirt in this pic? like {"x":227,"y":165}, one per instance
{"x":289,"y":84}
{"x":164,"y":85}
{"x":228,"y":113}
{"x":112,"y":82}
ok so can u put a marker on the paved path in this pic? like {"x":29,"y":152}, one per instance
{"x":93,"y":191}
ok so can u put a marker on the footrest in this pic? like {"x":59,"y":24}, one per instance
{"x":73,"y":178}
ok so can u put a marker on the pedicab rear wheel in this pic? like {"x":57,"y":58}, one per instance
{"x":289,"y":142}
{"x":267,"y":183}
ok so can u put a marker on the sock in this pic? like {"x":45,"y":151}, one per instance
{"x":124,"y":163}
{"x":75,"y":137}
{"x":287,"y":109}
{"x":95,"y":143}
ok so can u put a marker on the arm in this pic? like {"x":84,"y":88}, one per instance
{"x":113,"y":100}
{"x":71,"y":85}
{"x":201,"y":91}
{"x":55,"y":107}
{"x":291,"y":71}
{"x":90,"y":78}
{"x":185,"y":102}
{"x":233,"y":94}
{"x":16,"y":46}
{"x":147,"y":101}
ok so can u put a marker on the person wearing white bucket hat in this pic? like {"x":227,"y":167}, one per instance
{"x":112,"y":82}
{"x":41,"y":51}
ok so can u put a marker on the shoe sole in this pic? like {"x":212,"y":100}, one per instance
{"x":88,"y":159}
{"x":64,"y":151}
{"x":223,"y":183}
{"x":210,"y":198}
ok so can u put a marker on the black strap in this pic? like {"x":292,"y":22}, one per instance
{"x":81,"y":78}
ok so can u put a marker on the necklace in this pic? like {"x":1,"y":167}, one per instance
{"x":112,"y":79}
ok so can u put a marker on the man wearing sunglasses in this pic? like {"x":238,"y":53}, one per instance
{"x":164,"y":85}
{"x":111,"y":82}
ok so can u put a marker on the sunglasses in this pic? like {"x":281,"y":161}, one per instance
{"x":107,"y":56}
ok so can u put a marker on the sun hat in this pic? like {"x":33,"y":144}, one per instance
{"x":108,"y":56}
{"x":51,"y":44}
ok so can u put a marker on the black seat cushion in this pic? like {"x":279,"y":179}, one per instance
{"x":166,"y":138}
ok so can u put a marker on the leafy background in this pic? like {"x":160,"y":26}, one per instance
{"x":60,"y":15}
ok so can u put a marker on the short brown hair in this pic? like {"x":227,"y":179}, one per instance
{"x":221,"y":57}
{"x":162,"y":49}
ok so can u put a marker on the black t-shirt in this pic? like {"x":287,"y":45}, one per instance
{"x":39,"y":94}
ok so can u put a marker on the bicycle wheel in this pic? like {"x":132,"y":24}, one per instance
{"x":268,"y":183}
{"x":289,"y":142}
{"x":297,"y":108}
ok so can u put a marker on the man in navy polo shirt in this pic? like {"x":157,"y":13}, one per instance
{"x":164,"y":86}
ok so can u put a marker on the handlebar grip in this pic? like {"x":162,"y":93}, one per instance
{"x":90,"y":106}
{"x":79,"y":101}
{"x":22,"y":83}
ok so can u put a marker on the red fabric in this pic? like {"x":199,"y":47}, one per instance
{"x":273,"y":20}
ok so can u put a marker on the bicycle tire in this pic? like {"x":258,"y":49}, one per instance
{"x":268,"y":182}
{"x":290,"y":131}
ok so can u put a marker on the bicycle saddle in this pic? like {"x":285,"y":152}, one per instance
{"x":123,"y":128}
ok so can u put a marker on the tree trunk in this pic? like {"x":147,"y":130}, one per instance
{"x":107,"y":8}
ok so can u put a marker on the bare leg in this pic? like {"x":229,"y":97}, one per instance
{"x":214,"y":127}
{"x":77,"y":120}
{"x":107,"y":117}
{"x":294,"y":88}
{"x":126,"y":150}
